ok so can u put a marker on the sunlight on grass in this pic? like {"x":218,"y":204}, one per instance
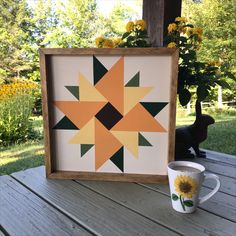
{"x":21,"y":156}
{"x":7,"y":160}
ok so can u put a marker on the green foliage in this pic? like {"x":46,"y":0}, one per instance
{"x":16,"y":104}
{"x":14,"y":46}
{"x":120,"y":14}
{"x":202,"y":76}
{"x":217,"y":19}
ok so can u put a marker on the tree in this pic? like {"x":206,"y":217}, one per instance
{"x":217,"y":19}
{"x":14,"y":40}
{"x":76,"y":26}
{"x":118,"y":18}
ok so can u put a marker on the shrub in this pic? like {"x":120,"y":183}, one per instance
{"x":16,"y":104}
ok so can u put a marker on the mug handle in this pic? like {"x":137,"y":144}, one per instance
{"x":213,"y":192}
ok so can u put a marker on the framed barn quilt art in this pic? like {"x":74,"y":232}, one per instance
{"x":109,"y":114}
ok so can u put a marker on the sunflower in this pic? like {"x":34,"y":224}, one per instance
{"x":186,"y":186}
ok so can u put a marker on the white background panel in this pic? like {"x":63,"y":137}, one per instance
{"x":68,"y":155}
{"x":154,"y":72}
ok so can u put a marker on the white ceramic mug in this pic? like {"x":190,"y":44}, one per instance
{"x":185,"y":181}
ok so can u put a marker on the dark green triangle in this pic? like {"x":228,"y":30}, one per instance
{"x":99,"y":70}
{"x":142,"y":141}
{"x":84,"y":148}
{"x":74,"y":90}
{"x":65,"y":123}
{"x":154,"y":107}
{"x":118,"y":159}
{"x":134,"y":82}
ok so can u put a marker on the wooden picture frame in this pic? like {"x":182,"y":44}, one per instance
{"x":109,"y":114}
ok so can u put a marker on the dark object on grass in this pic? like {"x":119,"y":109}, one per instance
{"x":192,"y":135}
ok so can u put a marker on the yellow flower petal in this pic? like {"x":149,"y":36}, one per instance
{"x":186,"y":186}
{"x":108,"y":44}
{"x":172,"y":27}
{"x":129,"y":26}
{"x":181,"y":19}
{"x":171,"y":45}
{"x":140,"y":25}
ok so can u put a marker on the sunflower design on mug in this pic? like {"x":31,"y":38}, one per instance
{"x":186,"y":187}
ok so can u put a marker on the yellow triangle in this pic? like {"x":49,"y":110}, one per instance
{"x":129,"y":140}
{"x":133,"y":95}
{"x":87,"y":92}
{"x":86,"y":135}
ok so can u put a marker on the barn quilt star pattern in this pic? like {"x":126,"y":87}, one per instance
{"x":109,"y":115}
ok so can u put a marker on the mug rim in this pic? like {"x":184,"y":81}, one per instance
{"x":172,"y":164}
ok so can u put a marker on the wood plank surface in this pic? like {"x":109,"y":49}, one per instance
{"x":228,"y":185}
{"x":216,"y":167}
{"x":221,"y":157}
{"x":82,"y":204}
{"x":220,"y":204}
{"x":157,"y":207}
{"x":24,"y":213}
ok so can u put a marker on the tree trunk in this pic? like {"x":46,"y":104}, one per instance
{"x":159,"y":14}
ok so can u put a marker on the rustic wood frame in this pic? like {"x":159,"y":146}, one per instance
{"x":45,"y":55}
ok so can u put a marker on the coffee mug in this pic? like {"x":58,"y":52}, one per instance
{"x":185,"y":181}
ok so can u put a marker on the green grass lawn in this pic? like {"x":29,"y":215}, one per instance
{"x":221,"y":135}
{"x":21,"y":156}
{"x":221,"y":138}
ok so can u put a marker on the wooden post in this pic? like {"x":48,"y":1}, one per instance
{"x":159,"y":14}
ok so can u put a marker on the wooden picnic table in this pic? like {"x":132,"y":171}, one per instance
{"x":30,"y":204}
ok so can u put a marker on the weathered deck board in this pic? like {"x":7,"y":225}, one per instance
{"x":228,"y":185}
{"x":80,"y":203}
{"x":23,"y":213}
{"x":157,"y":207}
{"x":34,"y":205}
{"x":220,"y":204}
{"x":224,"y":202}
{"x":221,"y":157}
{"x":216,"y":167}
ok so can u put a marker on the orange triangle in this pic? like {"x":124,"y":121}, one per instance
{"x":79,"y":112}
{"x":111,"y":85}
{"x":105,"y":144}
{"x":138,"y":119}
